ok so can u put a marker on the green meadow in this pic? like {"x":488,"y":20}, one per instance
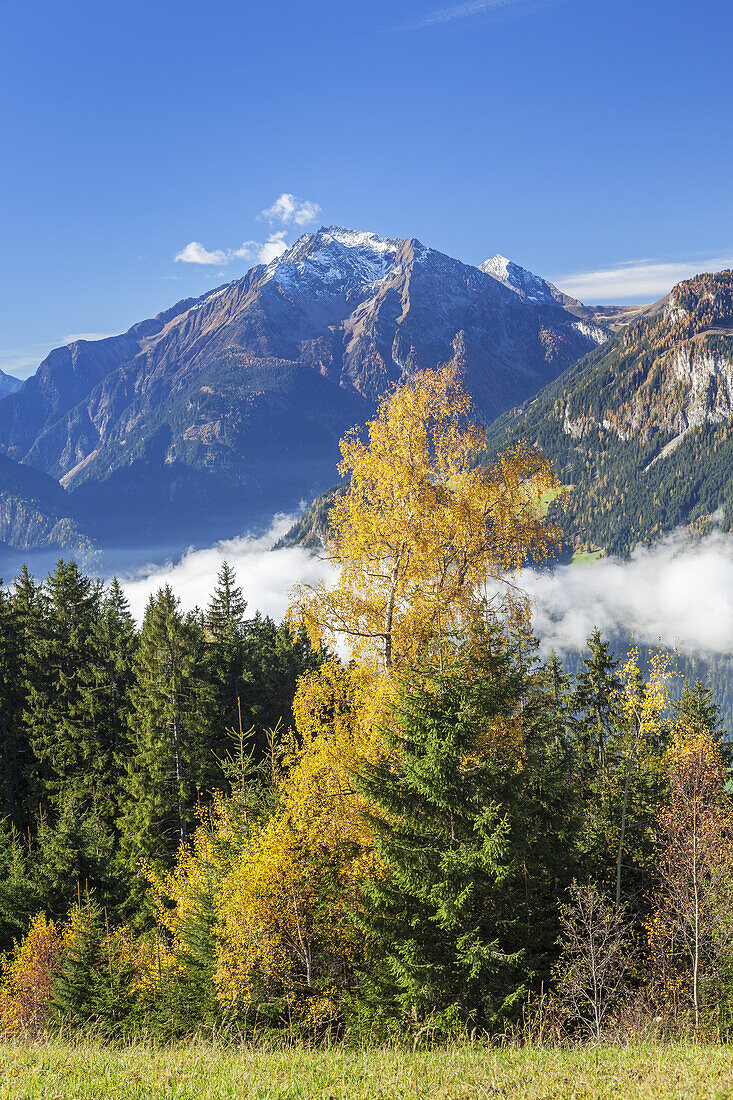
{"x":59,"y":1071}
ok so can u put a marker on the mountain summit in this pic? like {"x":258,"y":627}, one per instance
{"x":228,"y":407}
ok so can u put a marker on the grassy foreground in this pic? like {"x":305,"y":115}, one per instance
{"x":57,"y":1071}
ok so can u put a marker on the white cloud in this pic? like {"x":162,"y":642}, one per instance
{"x":642,"y":280}
{"x":252,"y":252}
{"x":265,"y":575}
{"x":195,"y":253}
{"x":286,"y":209}
{"x":259,"y":253}
{"x":680,"y":592}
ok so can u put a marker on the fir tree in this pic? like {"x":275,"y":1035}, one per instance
{"x":439,"y":914}
{"x":84,"y":987}
{"x":169,"y":737}
{"x":68,"y":734}
{"x":15,"y":751}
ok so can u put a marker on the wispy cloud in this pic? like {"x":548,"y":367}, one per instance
{"x":74,"y":336}
{"x":21,"y":363}
{"x":638,"y":280}
{"x":457,"y":11}
{"x":288,"y":210}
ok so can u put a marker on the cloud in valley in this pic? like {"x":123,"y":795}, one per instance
{"x":680,"y":591}
{"x":640,"y":281}
{"x":265,"y":575}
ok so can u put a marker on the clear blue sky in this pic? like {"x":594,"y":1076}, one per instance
{"x":572,"y":135}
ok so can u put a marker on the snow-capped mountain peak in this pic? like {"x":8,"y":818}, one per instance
{"x":336,"y":258}
{"x":518,"y":278}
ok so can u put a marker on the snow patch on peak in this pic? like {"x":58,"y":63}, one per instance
{"x":498,"y":266}
{"x":334,"y":259}
{"x":354,"y":238}
{"x":517,"y":278}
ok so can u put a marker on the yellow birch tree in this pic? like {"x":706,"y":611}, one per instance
{"x":423,"y":526}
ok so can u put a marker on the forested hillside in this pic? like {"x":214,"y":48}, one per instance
{"x":641,"y":430}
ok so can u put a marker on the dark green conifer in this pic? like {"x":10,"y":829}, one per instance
{"x":441,"y":914}
{"x":169,"y":755}
{"x":84,"y":988}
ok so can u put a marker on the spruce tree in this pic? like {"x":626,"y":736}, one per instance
{"x":596,"y":700}
{"x":440,"y":913}
{"x":29,"y":611}
{"x":168,"y":751}
{"x":225,"y":613}
{"x":21,"y":893}
{"x":68,"y":734}
{"x":225,"y":626}
{"x":697,"y":706}
{"x":84,"y":987}
{"x":15,"y":751}
{"x":273,"y":660}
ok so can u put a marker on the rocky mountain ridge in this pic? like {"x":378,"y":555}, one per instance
{"x":223,"y":409}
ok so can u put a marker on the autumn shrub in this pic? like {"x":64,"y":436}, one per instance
{"x":28,"y":977}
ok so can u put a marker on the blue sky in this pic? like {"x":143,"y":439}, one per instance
{"x":589,"y":140}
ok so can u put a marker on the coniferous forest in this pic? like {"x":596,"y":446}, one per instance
{"x":387,"y":813}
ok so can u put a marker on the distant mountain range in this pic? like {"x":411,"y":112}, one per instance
{"x":220,"y":411}
{"x":205,"y":420}
{"x":640,"y":429}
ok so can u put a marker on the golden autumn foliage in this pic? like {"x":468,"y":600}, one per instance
{"x":27,"y":978}
{"x":277,"y":885}
{"x":284,"y":924}
{"x":424,"y":527}
{"x":644,"y":700}
{"x":691,"y":932}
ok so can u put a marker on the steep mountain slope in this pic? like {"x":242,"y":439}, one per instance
{"x":642,"y":428}
{"x":8,"y":383}
{"x":224,"y":409}
{"x":36,"y":512}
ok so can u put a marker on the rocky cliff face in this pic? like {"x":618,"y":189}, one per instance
{"x":224,"y":409}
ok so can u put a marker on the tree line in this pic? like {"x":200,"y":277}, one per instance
{"x":217,"y":821}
